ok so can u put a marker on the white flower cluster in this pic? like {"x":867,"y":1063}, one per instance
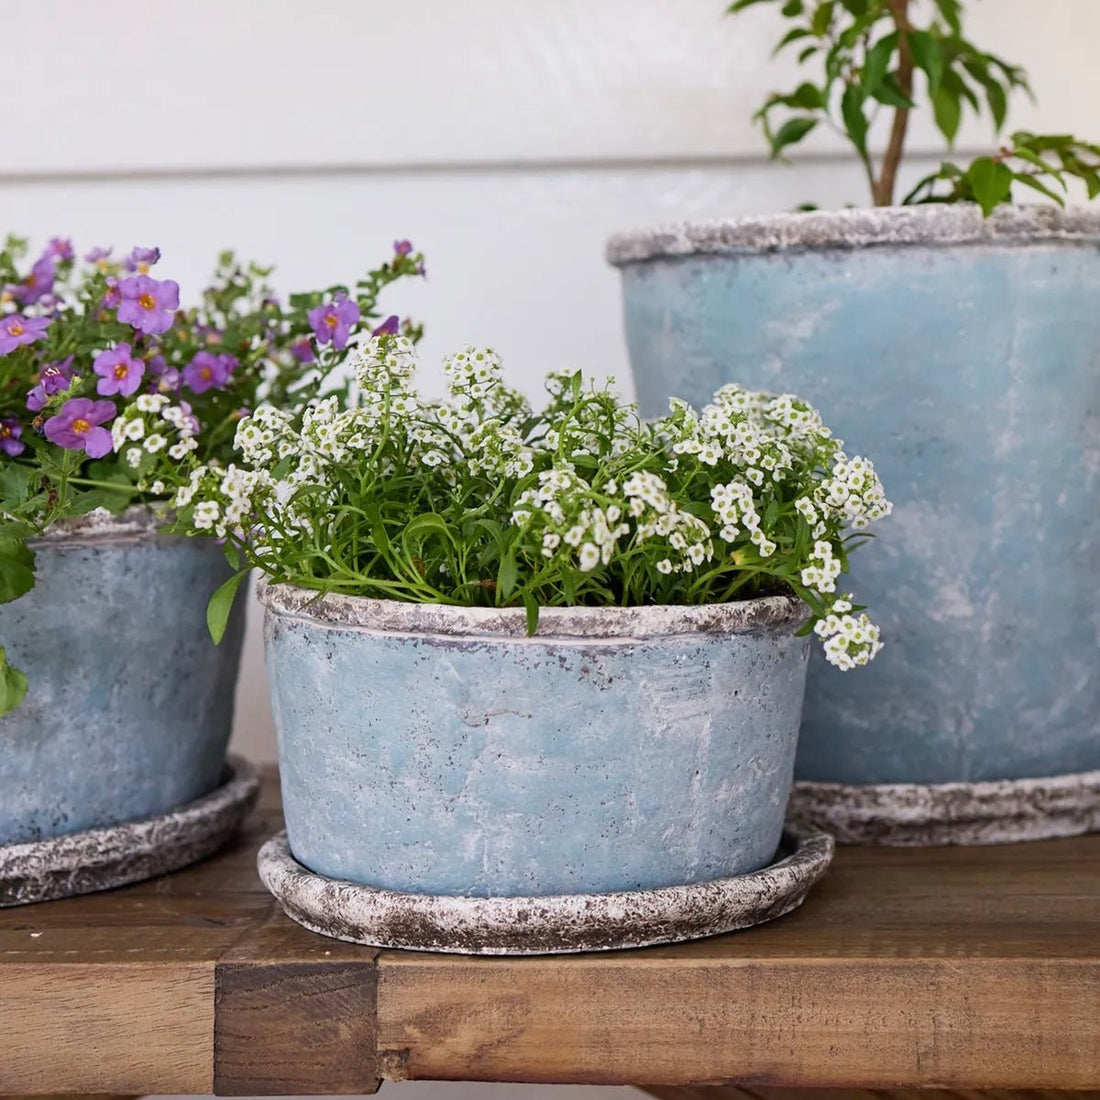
{"x":848,"y":640}
{"x":751,"y":494}
{"x":148,"y":426}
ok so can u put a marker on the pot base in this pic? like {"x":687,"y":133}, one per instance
{"x":905,"y":815}
{"x":100,"y":859}
{"x":549,"y":925}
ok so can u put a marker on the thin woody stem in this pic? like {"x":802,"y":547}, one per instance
{"x":882,"y":191}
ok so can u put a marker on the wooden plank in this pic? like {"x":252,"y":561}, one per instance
{"x":733,"y":1092}
{"x":294,"y":1013}
{"x":800,"y":1022}
{"x":118,"y":1028}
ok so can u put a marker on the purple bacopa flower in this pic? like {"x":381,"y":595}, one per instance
{"x":208,"y":371}
{"x":142,"y":259}
{"x":60,"y":247}
{"x":389,"y":327}
{"x":98,"y":256}
{"x":189,"y":418}
{"x":165,"y":378}
{"x":78,"y":427}
{"x":402,"y":248}
{"x":10,"y":431}
{"x":334,"y":320}
{"x":147,"y":304}
{"x":52,"y":378}
{"x":16,"y":331}
{"x":113,"y":296}
{"x":302,"y":350}
{"x":38,"y":284}
{"x":119,"y":370}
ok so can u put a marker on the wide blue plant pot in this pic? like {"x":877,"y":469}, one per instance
{"x":963,"y":356}
{"x":440,"y":750}
{"x":130,"y":703}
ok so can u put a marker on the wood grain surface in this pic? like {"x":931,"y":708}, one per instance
{"x":961,"y":969}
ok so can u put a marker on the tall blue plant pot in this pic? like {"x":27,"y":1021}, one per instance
{"x":130,"y":703}
{"x":963,"y":356}
{"x":441,"y":751}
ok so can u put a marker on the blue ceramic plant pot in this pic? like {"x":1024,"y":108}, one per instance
{"x":963,"y":356}
{"x":440,"y":750}
{"x":130,"y":704}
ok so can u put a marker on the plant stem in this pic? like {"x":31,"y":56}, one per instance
{"x":882,"y":191}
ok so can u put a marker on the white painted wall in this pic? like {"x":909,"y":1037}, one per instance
{"x":506,"y":138}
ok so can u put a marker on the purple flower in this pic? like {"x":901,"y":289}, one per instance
{"x":119,"y":370}
{"x":77,"y":426}
{"x":147,"y":304}
{"x":10,"y":443}
{"x":189,"y":418}
{"x":333,"y":321}
{"x":60,"y":247}
{"x":98,"y":256}
{"x":52,"y":378}
{"x":16,"y":330}
{"x":38,"y":284}
{"x":113,"y":296}
{"x":302,"y":350}
{"x":389,"y":327}
{"x":142,"y":259}
{"x":208,"y":371}
{"x":167,"y":378}
{"x":402,"y":248}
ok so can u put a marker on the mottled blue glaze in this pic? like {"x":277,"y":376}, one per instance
{"x":130,"y":703}
{"x":501,"y":766}
{"x":970,"y":373}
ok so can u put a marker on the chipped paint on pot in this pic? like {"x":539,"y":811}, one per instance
{"x":130,"y":703}
{"x":439,"y":750}
{"x":963,"y":356}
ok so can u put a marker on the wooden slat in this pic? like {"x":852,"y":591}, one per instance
{"x":802,"y":1022}
{"x":86,"y":1028}
{"x":733,"y":1092}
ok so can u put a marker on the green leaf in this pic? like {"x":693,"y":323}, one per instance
{"x":792,"y":131}
{"x":16,"y":569}
{"x":741,"y":5}
{"x":15,"y":484}
{"x":220,"y":605}
{"x":507,"y":575}
{"x":948,"y":113}
{"x":889,"y":92}
{"x":855,"y":122}
{"x":1038,"y":185}
{"x":991,"y":183}
{"x":807,"y":96}
{"x":878,"y":61}
{"x":927,"y":53}
{"x":791,"y":36}
{"x":792,"y":9}
{"x":13,"y":685}
{"x":951,"y":11}
{"x":822,"y":18}
{"x":114,"y":500}
{"x":532,"y":606}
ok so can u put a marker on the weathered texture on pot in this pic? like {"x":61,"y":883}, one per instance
{"x":963,"y":356}
{"x":115,"y":855}
{"x":544,"y":925}
{"x":130,"y":703}
{"x":420,"y":760}
{"x":904,"y":815}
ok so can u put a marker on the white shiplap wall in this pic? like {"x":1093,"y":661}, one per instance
{"x":507,"y":139}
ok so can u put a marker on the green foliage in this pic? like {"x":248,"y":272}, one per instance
{"x":13,"y":685}
{"x":871,"y":55}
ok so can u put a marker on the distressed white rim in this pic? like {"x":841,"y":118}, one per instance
{"x":115,"y":855}
{"x":557,"y":924}
{"x":769,"y":614}
{"x":917,"y":815}
{"x":138,"y":523}
{"x":930,"y":225}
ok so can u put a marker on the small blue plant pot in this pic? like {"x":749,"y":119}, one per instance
{"x":962,"y":355}
{"x":440,"y":750}
{"x":130,"y":703}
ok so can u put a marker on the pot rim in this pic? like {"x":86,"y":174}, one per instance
{"x":137,"y":523}
{"x":932,"y":224}
{"x":764,"y":615}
